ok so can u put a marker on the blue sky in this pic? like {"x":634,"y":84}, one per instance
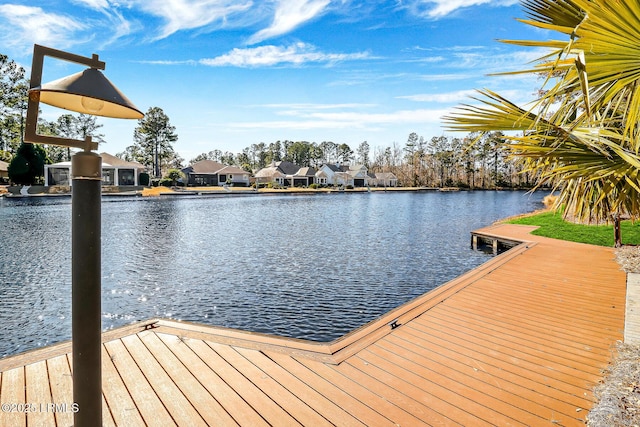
{"x":230,"y":73}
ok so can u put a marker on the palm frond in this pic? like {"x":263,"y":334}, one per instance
{"x":498,"y":114}
{"x":565,"y":13}
{"x":582,"y":134}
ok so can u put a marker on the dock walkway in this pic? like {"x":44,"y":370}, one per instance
{"x":520,"y":340}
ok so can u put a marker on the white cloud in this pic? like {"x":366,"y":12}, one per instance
{"x":33,"y":25}
{"x":440,"y":8}
{"x":444,"y":77}
{"x":94,"y":4}
{"x":451,"y":97}
{"x":190,"y":14}
{"x":308,"y":106}
{"x":288,"y":15}
{"x":264,"y":56}
{"x":348,"y":120}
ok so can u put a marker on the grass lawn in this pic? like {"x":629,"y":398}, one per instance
{"x":552,"y":225}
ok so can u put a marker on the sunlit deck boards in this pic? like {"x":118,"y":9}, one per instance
{"x":519,"y":341}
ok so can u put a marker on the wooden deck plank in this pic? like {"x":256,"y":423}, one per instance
{"x":362,"y":403}
{"x":237,"y":407}
{"x":416,"y":349}
{"x":261,"y":402}
{"x":118,"y":401}
{"x":61,"y":382}
{"x":204,"y":403}
{"x":496,"y":319}
{"x":508,"y":355}
{"x":283,"y":397}
{"x":371,"y":388}
{"x":425,"y":406}
{"x":142,"y":393}
{"x":422,"y":404}
{"x":482,"y":357}
{"x":502,"y":401}
{"x":464,"y":408}
{"x":594,"y":315}
{"x":557,"y":287}
{"x":304,"y":391}
{"x":13,"y":392}
{"x":507,"y":339}
{"x":180,"y":409}
{"x":38,"y":394}
{"x":107,"y":417}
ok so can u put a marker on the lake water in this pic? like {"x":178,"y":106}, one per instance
{"x":304,"y":266}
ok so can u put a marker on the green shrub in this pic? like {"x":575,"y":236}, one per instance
{"x":144,"y":179}
{"x":166,"y":182}
{"x":27,"y":167}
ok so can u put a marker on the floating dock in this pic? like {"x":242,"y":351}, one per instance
{"x":520,"y":341}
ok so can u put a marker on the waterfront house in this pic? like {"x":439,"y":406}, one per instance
{"x":383,"y":179}
{"x":355,"y":175}
{"x":211,"y":173}
{"x":4,"y":171}
{"x":303,"y":177}
{"x":115,"y":172}
{"x":359,"y":175}
{"x":329,"y":174}
{"x":268,"y":175}
{"x":279,"y":173}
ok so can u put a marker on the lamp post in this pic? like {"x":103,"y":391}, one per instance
{"x":87,"y":92}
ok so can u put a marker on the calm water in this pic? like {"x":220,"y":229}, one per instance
{"x":307,"y":266}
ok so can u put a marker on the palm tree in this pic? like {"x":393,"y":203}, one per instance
{"x":581,"y":134}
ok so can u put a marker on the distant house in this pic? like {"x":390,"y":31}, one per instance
{"x":4,"y":171}
{"x":211,"y":173}
{"x":115,"y":172}
{"x":285,"y":174}
{"x":270,"y":174}
{"x":303,"y":177}
{"x":333,"y":175}
{"x":355,"y":176}
{"x":359,"y":175}
{"x":384,"y":179}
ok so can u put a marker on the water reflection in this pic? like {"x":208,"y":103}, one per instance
{"x":310,"y":267}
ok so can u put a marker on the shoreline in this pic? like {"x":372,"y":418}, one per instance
{"x":247,"y":191}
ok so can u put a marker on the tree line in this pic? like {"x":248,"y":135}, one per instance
{"x":473,"y":161}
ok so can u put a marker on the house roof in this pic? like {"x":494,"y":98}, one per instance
{"x":278,"y":169}
{"x":205,"y":166}
{"x":335,"y":168}
{"x":385,"y":175}
{"x":357,"y":167}
{"x":232,"y":169}
{"x":118,"y":162}
{"x":268,"y":172}
{"x":287,"y":168}
{"x":307,"y":171}
{"x":107,"y":161}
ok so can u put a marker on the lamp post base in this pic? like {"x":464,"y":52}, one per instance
{"x":86,"y":311}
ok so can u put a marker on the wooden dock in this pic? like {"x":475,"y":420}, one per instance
{"x":518,"y":341}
